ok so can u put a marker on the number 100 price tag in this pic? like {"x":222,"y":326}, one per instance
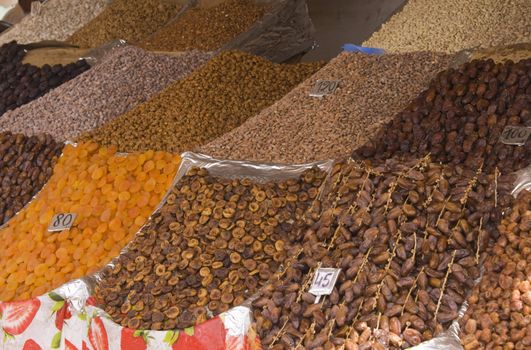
{"x":62,"y":221}
{"x":324,"y":281}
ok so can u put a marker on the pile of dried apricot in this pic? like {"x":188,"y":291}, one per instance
{"x":111,"y":194}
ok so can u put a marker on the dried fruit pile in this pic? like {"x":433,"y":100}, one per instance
{"x":206,"y":28}
{"x":112,"y":195}
{"x":499,"y":313}
{"x":57,"y":20}
{"x":408,"y":238}
{"x":125,"y":78}
{"x":131,"y":20}
{"x":214,"y":243}
{"x":460,"y":117}
{"x":300,"y":128}
{"x":21,"y":83}
{"x":212,"y":100}
{"x":26,"y":164}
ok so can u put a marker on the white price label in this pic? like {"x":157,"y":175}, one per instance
{"x":324,"y":281}
{"x":62,"y":221}
{"x":515,"y":135}
{"x":36,"y":8}
{"x":324,"y":87}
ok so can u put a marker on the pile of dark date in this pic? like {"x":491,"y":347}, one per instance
{"x":21,"y":83}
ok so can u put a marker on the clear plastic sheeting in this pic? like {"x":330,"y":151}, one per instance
{"x":259,"y":172}
{"x":284,"y":32}
{"x":94,"y":56}
{"x":523,"y":181}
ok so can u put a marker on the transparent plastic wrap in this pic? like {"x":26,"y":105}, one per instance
{"x":284,"y":32}
{"x":95,"y":55}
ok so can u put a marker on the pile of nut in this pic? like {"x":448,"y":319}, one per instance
{"x":206,"y":28}
{"x":21,"y":83}
{"x":460,"y":117}
{"x":214,"y":99}
{"x":26,"y":164}
{"x":407,"y":237}
{"x":499,"y":314}
{"x":213,"y":244}
{"x":131,"y":20}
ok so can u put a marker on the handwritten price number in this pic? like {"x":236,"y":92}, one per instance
{"x":515,"y":135}
{"x":61,"y":222}
{"x":324,"y":87}
{"x":324,"y":281}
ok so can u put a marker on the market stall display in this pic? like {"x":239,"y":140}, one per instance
{"x":130,"y":20}
{"x":26,"y":164}
{"x":499,"y":309}
{"x":215,"y":242}
{"x":453,"y":25}
{"x":22,"y":83}
{"x":57,"y":20}
{"x":111,"y":194}
{"x":301,"y":128}
{"x":206,"y":28}
{"x":124,"y":78}
{"x":214,"y":99}
{"x":459,"y":119}
{"x":407,"y":237}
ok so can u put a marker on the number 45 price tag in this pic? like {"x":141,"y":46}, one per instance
{"x":62,"y":221}
{"x":324,"y":282}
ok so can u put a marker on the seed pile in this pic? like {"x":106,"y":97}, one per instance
{"x":300,"y":128}
{"x":112,"y":195}
{"x":499,"y":314}
{"x":407,"y":237}
{"x":22,"y":83}
{"x":131,"y":20}
{"x":57,"y":20}
{"x":453,"y":25}
{"x":460,"y":117}
{"x":126,"y":77}
{"x":214,"y":243}
{"x":206,"y":28}
{"x":26,"y":164}
{"x":214,"y":99}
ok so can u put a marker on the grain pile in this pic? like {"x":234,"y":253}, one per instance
{"x":460,"y":117}
{"x":21,"y":83}
{"x":26,"y":164}
{"x":112,"y":195}
{"x":499,"y":313}
{"x":57,"y":20}
{"x":213,"y":244}
{"x":214,"y":99}
{"x":453,"y":25}
{"x":300,"y":128}
{"x":206,"y":28}
{"x":131,"y":20}
{"x":125,"y":78}
{"x":407,"y":237}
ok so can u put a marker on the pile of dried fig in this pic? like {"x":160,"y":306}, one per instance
{"x":460,"y":117}
{"x":407,"y":236}
{"x":214,"y":243}
{"x":499,"y":313}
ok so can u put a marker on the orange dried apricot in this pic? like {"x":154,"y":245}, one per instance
{"x":112,"y":195}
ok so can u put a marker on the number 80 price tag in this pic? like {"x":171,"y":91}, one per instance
{"x":324,"y":281}
{"x":62,"y":221}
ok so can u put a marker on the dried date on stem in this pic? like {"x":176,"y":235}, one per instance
{"x":460,"y":117}
{"x":213,"y":244}
{"x":500,"y":305}
{"x":406,"y":236}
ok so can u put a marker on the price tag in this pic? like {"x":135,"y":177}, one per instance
{"x":324,"y":281}
{"x":515,"y":135}
{"x":324,"y":87}
{"x":36,"y":8}
{"x":62,"y":221}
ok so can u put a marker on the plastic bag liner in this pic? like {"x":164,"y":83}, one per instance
{"x":95,"y":55}
{"x":523,"y":181}
{"x":362,"y":49}
{"x":282,"y":33}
